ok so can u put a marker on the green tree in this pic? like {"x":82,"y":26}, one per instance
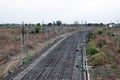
{"x":38,"y":24}
{"x":49,"y":24}
{"x":58,"y":23}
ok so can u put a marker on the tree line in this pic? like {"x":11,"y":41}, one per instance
{"x":57,"y":23}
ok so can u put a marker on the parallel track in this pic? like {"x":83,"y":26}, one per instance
{"x":59,"y":64}
{"x":46,"y":74}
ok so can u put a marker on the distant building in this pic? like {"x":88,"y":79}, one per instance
{"x":110,"y":25}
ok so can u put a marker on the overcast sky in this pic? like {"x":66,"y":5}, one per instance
{"x":68,"y":11}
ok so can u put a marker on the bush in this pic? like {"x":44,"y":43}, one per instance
{"x":90,"y":36}
{"x":14,"y":38}
{"x":37,"y":29}
{"x":101,"y":43}
{"x":117,"y":40}
{"x":91,"y":49}
{"x":24,"y":31}
{"x":113,"y":65}
{"x":104,"y":48}
{"x":100,"y":78}
{"x":98,"y":59}
{"x":1,"y":77}
{"x":27,"y":59}
{"x":100,"y":32}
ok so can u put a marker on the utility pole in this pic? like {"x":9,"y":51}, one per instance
{"x":42,"y":31}
{"x":61,"y":29}
{"x":23,"y":32}
{"x":27,"y":40}
{"x":49,"y":32}
{"x":21,"y":45}
{"x":46,"y":33}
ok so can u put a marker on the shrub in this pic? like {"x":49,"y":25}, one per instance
{"x":104,"y":48}
{"x":100,"y":32}
{"x":113,"y":65}
{"x":14,"y":38}
{"x":37,"y":29}
{"x":117,"y":40}
{"x":1,"y":77}
{"x":90,"y":36}
{"x":27,"y":59}
{"x":100,"y":78}
{"x":91,"y":49}
{"x":109,"y":57}
{"x":101,"y":43}
{"x":24,"y":31}
{"x":98,"y":59}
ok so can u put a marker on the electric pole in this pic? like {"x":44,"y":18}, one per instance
{"x":42,"y":31}
{"x":27,"y":40}
{"x":21,"y":45}
{"x":23,"y":32}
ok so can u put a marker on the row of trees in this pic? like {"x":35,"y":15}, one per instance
{"x":59,"y":23}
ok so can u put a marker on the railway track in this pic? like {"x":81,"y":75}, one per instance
{"x":44,"y":74}
{"x":45,"y":64}
{"x":59,"y":63}
{"x":67,"y":62}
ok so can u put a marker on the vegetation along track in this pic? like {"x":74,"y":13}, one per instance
{"x":58,"y":64}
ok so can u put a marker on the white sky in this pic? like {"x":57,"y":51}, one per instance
{"x":68,"y":11}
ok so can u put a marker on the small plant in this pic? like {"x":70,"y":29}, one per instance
{"x":1,"y":77}
{"x":104,"y":48}
{"x":91,"y":49}
{"x":100,"y":32}
{"x":100,"y":78}
{"x":14,"y":38}
{"x":37,"y":29}
{"x":27,"y":59}
{"x":117,"y":40}
{"x":101,"y":43}
{"x":113,"y":65}
{"x":98,"y":59}
{"x":23,"y":31}
{"x":90,"y":36}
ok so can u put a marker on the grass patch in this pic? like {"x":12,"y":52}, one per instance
{"x":117,"y":39}
{"x":101,"y":43}
{"x":100,"y":32}
{"x":1,"y":77}
{"x":98,"y":59}
{"x":90,"y":36}
{"x":14,"y":38}
{"x":91,"y":49}
{"x":27,"y":59}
